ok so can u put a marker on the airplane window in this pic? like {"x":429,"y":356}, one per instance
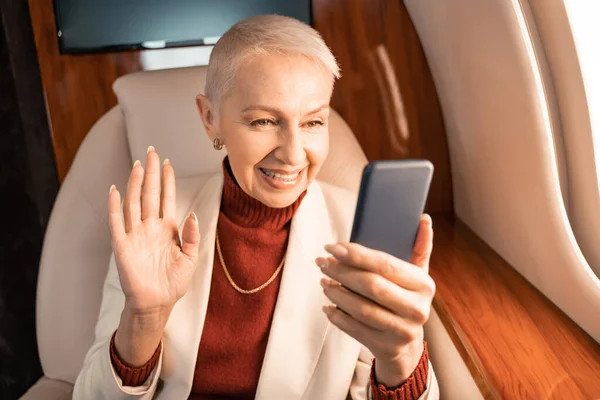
{"x":583,"y":16}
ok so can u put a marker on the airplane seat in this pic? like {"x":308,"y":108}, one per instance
{"x":155,"y":108}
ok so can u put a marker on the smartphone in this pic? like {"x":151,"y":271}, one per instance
{"x":391,"y":200}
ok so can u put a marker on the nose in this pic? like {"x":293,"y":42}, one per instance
{"x":291,"y":149}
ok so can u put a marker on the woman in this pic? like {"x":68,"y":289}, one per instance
{"x":260,"y":298}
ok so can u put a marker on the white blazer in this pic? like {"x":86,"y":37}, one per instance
{"x":307,"y":358}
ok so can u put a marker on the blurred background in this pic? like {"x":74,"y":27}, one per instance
{"x":28,"y":185}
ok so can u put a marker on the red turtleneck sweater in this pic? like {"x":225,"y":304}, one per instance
{"x":253,"y":240}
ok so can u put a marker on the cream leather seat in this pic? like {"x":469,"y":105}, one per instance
{"x":155,"y":108}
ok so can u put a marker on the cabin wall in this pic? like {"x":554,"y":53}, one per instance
{"x":499,"y":106}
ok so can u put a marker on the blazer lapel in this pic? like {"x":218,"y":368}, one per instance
{"x":184,"y":328}
{"x":299,"y":326}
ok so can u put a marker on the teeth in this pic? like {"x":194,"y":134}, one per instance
{"x":280,"y":177}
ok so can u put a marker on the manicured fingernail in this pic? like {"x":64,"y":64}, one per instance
{"x":336,"y":250}
{"x":136,"y":163}
{"x":321,"y":262}
{"x":111,"y":189}
{"x":327,"y":309}
{"x":166,"y":162}
{"x":428,"y":219}
{"x":195,"y":217}
{"x":324,"y":283}
{"x":150,"y":148}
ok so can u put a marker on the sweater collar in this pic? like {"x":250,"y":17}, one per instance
{"x":244,"y":210}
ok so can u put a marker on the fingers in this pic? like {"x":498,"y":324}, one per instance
{"x":379,"y":263}
{"x":362,"y":309}
{"x":423,"y":244}
{"x":151,"y":188}
{"x":406,"y":303}
{"x":132,"y":208}
{"x":373,"y":339}
{"x":115,"y":217}
{"x":167,"y":200}
{"x":190,"y":237}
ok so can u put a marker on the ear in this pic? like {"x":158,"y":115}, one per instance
{"x":207,"y":113}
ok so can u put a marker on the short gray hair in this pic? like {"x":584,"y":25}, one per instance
{"x":263,"y":35}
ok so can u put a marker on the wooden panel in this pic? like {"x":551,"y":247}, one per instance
{"x":78,"y":88}
{"x":516,"y":343}
{"x":386,"y":93}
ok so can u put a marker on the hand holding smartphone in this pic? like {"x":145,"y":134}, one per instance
{"x":388,"y":322}
{"x":391,"y":200}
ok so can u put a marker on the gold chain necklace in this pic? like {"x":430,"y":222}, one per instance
{"x":236,"y":287}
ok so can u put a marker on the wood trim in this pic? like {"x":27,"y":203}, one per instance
{"x":386,"y":93}
{"x":515,"y":342}
{"x":78,"y":88}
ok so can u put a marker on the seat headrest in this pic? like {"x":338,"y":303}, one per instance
{"x":160,"y":110}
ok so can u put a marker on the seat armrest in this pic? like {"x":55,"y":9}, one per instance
{"x":516,"y":343}
{"x":49,"y":389}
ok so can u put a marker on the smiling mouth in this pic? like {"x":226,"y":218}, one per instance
{"x":289,"y":178}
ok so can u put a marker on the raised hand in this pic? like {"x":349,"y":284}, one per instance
{"x":155,"y":267}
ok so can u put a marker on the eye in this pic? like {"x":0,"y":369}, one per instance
{"x":261,"y":123}
{"x":314,"y":124}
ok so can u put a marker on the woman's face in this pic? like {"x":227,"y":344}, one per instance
{"x":274,"y":124}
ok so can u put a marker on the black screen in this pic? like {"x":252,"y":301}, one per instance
{"x":94,"y":25}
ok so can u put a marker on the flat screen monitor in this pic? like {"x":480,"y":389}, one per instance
{"x":101,"y":25}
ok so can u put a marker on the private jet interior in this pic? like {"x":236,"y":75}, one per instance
{"x":502,"y":96}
